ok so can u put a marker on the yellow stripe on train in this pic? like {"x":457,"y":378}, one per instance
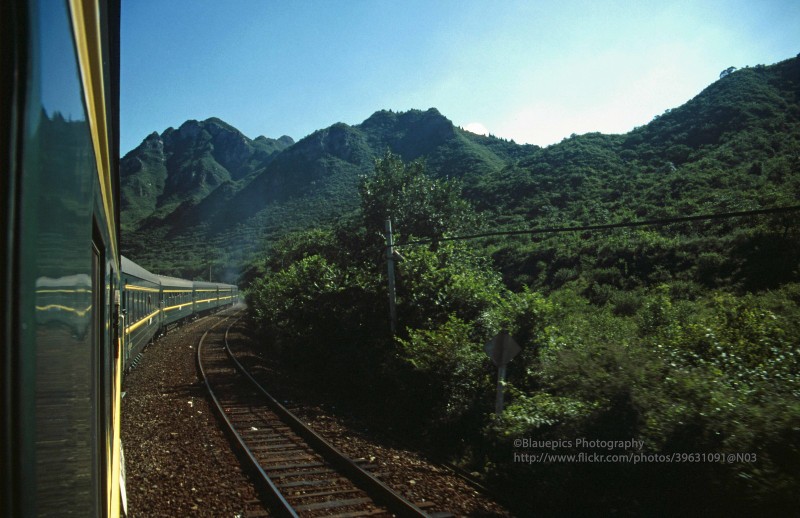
{"x":136,"y":325}
{"x":130,"y":287}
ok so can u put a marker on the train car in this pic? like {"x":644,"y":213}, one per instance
{"x":228,"y":294}
{"x":151,"y":303}
{"x":142,"y":306}
{"x":206,"y":296}
{"x":60,"y":362}
{"x":176,"y":299}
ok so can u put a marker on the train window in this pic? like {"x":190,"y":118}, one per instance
{"x":100,"y":372}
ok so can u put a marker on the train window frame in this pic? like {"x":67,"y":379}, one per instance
{"x":101,"y":372}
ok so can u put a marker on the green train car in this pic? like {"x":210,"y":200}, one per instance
{"x":74,"y":311}
{"x":60,"y":354}
{"x":141,"y":294}
{"x":178,"y":299}
{"x":152,"y":303}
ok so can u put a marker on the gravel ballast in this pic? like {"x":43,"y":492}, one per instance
{"x":177,"y":460}
{"x":179,"y":463}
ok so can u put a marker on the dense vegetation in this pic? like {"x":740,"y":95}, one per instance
{"x":682,"y":366}
{"x":682,"y":336}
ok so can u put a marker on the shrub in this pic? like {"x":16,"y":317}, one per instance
{"x":452,"y":365}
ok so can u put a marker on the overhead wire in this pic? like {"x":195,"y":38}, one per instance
{"x":607,"y":226}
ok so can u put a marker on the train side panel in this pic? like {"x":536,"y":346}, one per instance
{"x":227,"y":294}
{"x":176,"y":299}
{"x":61,"y":367}
{"x":206,"y":296}
{"x":141,"y":304}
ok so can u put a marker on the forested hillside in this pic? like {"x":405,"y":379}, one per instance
{"x":188,"y":164}
{"x":734,"y":147}
{"x":682,"y":337}
{"x":218,"y":197}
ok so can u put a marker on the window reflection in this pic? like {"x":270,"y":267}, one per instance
{"x":59,"y":171}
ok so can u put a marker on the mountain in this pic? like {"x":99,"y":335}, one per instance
{"x":208,"y":183}
{"x":734,"y":147}
{"x":188,"y":164}
{"x":206,"y":194}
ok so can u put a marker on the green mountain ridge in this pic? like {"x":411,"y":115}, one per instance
{"x":217,"y":186}
{"x":219,"y":197}
{"x":169,"y":169}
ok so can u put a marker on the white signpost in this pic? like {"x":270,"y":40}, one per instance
{"x":501,"y":349}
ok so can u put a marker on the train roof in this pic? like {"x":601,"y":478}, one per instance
{"x":206,"y":284}
{"x":134,"y":270}
{"x":209,"y":285}
{"x":174,"y":282}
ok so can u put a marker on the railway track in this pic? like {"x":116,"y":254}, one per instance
{"x":300,"y":472}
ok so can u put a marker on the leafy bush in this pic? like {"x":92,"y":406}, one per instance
{"x":432,"y":285}
{"x":452,"y":366}
{"x":717,"y":375}
{"x":418,"y":205}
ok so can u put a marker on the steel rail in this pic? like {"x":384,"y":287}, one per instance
{"x":366,"y":481}
{"x":283,"y":506}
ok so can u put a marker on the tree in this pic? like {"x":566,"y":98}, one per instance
{"x":418,"y":205}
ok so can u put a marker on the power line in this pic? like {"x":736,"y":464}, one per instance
{"x":624,"y":224}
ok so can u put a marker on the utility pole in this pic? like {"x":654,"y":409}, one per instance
{"x":390,"y":266}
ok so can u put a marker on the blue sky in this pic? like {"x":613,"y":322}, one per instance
{"x":532,"y":71}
